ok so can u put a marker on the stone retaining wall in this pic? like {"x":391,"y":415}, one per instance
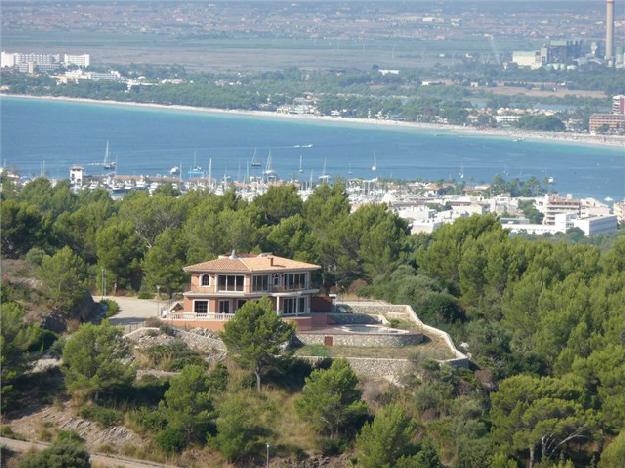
{"x":389,"y":369}
{"x":356,"y":318}
{"x":406,"y":312}
{"x":362,"y":339}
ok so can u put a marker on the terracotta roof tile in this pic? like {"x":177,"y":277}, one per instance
{"x":246,"y":263}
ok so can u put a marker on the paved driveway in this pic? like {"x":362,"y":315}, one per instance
{"x":133,"y":310}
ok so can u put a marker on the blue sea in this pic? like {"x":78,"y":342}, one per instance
{"x":151,"y":141}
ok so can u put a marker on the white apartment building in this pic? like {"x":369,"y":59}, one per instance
{"x":37,"y":59}
{"x":596,"y":225}
{"x":551,"y":205}
{"x":7,"y":60}
{"x":503,"y":204}
{"x":532,"y":229}
{"x":42,"y":61}
{"x":82,"y":60}
{"x":76,"y":176}
{"x":425,"y":226}
{"x":590,"y":226}
{"x":592,"y":207}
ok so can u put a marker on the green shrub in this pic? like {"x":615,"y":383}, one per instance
{"x":238,"y":431}
{"x":35,"y":256}
{"x":218,"y":378}
{"x":173,"y":356}
{"x":145,"y":295}
{"x":394,"y":323}
{"x":149,"y":389}
{"x":58,"y":455}
{"x":69,"y":437}
{"x":43,"y":340}
{"x":171,"y":440}
{"x":112,"y":307}
{"x":104,"y":417}
{"x":330,"y":447}
{"x":7,"y":431}
{"x":150,"y":420}
{"x":166,"y":329}
{"x":56,"y":350}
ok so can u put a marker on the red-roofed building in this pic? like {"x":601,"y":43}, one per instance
{"x":219,"y":287}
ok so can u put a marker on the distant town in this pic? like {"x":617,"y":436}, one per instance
{"x":524,"y":207}
{"x":517,"y":105}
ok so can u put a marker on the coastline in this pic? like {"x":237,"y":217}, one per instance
{"x":552,"y":137}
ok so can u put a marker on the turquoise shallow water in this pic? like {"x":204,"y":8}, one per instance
{"x":150,"y":141}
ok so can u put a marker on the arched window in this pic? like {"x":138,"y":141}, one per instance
{"x":205,"y":280}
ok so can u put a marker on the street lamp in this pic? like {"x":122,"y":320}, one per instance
{"x":158,"y":299}
{"x":268,"y":455}
{"x":103,"y":278}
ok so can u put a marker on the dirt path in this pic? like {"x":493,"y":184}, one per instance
{"x":96,"y":458}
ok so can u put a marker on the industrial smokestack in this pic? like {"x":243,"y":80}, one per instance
{"x":609,"y":30}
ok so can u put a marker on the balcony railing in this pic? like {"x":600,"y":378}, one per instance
{"x":199,"y":316}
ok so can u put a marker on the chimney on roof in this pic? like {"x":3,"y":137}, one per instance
{"x":233,"y":255}
{"x":271,"y":260}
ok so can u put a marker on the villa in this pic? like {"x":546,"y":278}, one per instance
{"x":220,"y":287}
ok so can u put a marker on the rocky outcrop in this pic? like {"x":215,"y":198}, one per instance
{"x":64,"y":419}
{"x":199,"y":340}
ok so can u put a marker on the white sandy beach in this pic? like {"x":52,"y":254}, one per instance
{"x":554,"y":137}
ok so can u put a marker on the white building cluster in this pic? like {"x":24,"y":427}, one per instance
{"x":560,"y":214}
{"x":32,"y":62}
{"x":79,"y":75}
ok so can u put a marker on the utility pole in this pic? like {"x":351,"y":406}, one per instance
{"x":267,"y":466}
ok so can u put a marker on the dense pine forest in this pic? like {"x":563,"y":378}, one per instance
{"x":543,"y":319}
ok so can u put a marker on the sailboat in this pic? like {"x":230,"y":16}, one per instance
{"x":375,"y":165}
{"x":195,"y":171}
{"x":269,"y":172}
{"x":255,"y":162}
{"x":301,"y":169}
{"x":324,"y":177}
{"x":108,"y":164}
{"x":461,"y":173}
